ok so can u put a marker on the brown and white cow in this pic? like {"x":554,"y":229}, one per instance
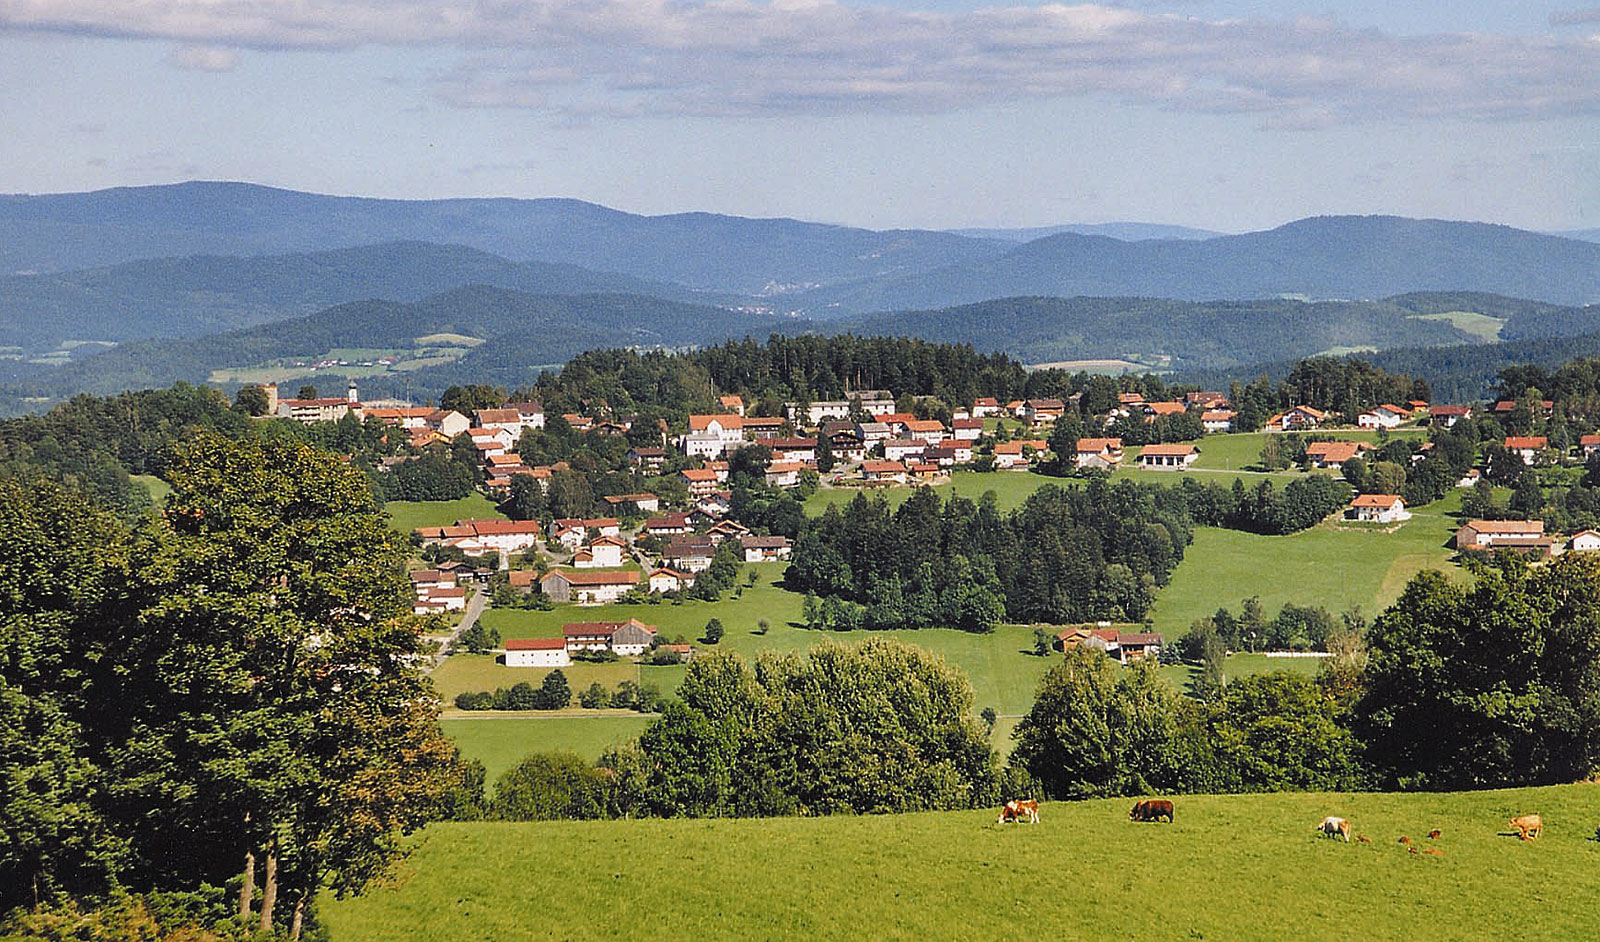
{"x":1332,"y":826}
{"x":1151,"y":809}
{"x":1019,"y":810}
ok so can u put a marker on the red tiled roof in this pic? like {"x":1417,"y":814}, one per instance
{"x":1382,"y":501}
{"x":1515,"y":443}
{"x":536,"y":644}
{"x":1167,"y":451}
{"x":618,"y":577}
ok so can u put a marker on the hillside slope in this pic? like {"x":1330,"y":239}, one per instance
{"x":540,"y":329}
{"x":1244,"y":867}
{"x":704,"y":251}
{"x":205,"y":294}
{"x":1324,"y":257}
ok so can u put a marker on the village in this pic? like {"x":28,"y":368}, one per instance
{"x":659,"y":545}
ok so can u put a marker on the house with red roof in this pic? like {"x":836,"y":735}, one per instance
{"x":588,"y":587}
{"x":1167,"y":457}
{"x":1378,"y":508}
{"x":629,"y":638}
{"x":1527,"y":447}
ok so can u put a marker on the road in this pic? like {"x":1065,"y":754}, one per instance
{"x":475,"y":607}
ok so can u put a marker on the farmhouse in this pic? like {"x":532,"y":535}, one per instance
{"x":701,"y":481}
{"x":950,"y":452}
{"x":734,"y":404}
{"x":1102,"y":453}
{"x":985,"y":407}
{"x":670,"y":580}
{"x":688,"y":554}
{"x":872,"y":433}
{"x":1011,"y":455}
{"x":1527,"y":447}
{"x":440,"y":599}
{"x":883,"y":472}
{"x":1584,"y":541}
{"x":588,"y":588}
{"x":537,"y":652}
{"x":1206,"y":400}
{"x":1384,"y":416}
{"x":1506,"y":406}
{"x":477,"y":537}
{"x":1379,"y":508}
{"x":1043,"y":411}
{"x":1333,"y":455}
{"x":1300,"y":417}
{"x":784,"y":473}
{"x":931,"y":431}
{"x":793,"y":449}
{"x":649,"y":458}
{"x":899,"y":449}
{"x":624,"y":638}
{"x":967,"y":430}
{"x":1217,"y":420}
{"x":667,"y":525}
{"x":1489,"y":535}
{"x":1168,"y":457}
{"x":1590,"y":444}
{"x":1448,"y":416}
{"x":643,"y":503}
{"x":1125,"y":646}
{"x":604,"y":553}
{"x":726,"y":530}
{"x":1155,"y":410}
{"x":764,"y":549}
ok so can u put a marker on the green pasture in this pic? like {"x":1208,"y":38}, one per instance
{"x":1238,"y":868}
{"x":1482,"y":326}
{"x":501,"y":740}
{"x":158,"y":489}
{"x":407,"y":515}
{"x":1332,"y":565}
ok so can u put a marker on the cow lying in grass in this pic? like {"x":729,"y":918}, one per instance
{"x":1019,"y":810}
{"x":1334,"y":827}
{"x":1153,"y":809}
{"x":1528,"y":826}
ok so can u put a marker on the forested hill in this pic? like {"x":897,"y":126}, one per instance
{"x":206,"y":294}
{"x":523,"y":332}
{"x":705,"y":251}
{"x":1321,"y":257}
{"x":1218,"y":334}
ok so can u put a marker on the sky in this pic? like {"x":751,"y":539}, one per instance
{"x":1224,"y":114}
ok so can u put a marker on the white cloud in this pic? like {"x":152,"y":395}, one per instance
{"x":203,"y":58}
{"x":622,"y":58}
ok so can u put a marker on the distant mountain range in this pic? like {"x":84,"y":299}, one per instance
{"x":1125,"y":231}
{"x":701,"y":251}
{"x":208,"y":294}
{"x":1326,"y":257}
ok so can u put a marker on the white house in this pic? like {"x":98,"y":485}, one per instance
{"x":1168,"y":457}
{"x":784,"y":473}
{"x":537,"y":652}
{"x":1384,"y":416}
{"x":1378,"y":508}
{"x":670,"y":580}
{"x":1014,"y":454}
{"x":967,"y":430}
{"x":604,"y":553}
{"x":1102,"y":453}
{"x":1527,"y":447}
{"x":1584,"y":541}
{"x":1218,"y":420}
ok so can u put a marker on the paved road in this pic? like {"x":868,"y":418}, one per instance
{"x":475,"y":607}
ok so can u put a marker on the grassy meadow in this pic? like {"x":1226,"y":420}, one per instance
{"x":1242,"y":867}
{"x":407,"y":515}
{"x":501,"y":740}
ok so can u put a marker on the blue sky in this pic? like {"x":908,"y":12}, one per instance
{"x":1226,"y":114}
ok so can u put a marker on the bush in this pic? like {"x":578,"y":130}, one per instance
{"x":549,"y":787}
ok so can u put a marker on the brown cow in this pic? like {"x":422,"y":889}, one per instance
{"x":1433,"y":851}
{"x":1363,"y":839}
{"x":1433,"y":835}
{"x":1528,"y":826}
{"x":1153,"y":809}
{"x":1334,"y":827}
{"x":1020,"y":810}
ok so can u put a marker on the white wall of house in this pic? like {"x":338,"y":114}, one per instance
{"x":553,"y":657}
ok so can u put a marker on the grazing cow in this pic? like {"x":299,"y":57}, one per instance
{"x":1334,"y":827}
{"x":1528,"y":826}
{"x":1404,"y":839}
{"x":1020,"y":810}
{"x":1153,"y":809}
{"x":1434,"y":851}
{"x":1363,"y":839}
{"x":1433,"y":835}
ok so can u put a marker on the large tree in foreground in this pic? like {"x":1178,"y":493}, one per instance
{"x":1492,"y":685}
{"x":264,"y":708}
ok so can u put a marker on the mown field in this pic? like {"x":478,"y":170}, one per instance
{"x":1335,"y":566}
{"x":1244,"y":867}
{"x":407,"y":515}
{"x":501,"y":740}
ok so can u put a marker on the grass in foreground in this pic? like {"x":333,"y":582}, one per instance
{"x":1242,"y":867}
